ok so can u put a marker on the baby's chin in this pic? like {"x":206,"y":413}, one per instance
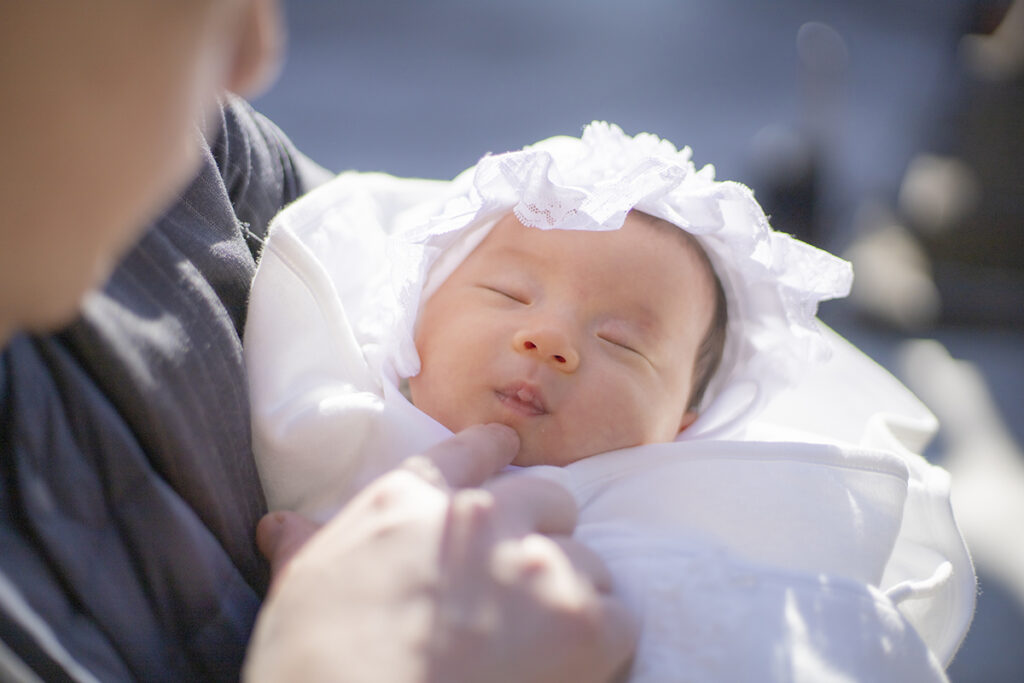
{"x":534,"y":450}
{"x":532,"y":454}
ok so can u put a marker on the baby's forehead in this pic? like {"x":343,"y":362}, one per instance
{"x":509,"y":228}
{"x":510,"y":238}
{"x":682,"y":236}
{"x":671,"y":230}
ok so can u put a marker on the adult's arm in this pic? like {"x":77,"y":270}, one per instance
{"x":128,"y":494}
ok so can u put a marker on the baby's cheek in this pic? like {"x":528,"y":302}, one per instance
{"x":608,"y":424}
{"x":641,"y":420}
{"x":421,"y":391}
{"x":446,"y":405}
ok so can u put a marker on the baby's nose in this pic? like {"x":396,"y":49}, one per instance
{"x":549,"y":346}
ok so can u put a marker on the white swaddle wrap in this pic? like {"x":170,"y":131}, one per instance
{"x":813,"y":545}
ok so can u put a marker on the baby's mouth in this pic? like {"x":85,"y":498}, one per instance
{"x":522,"y":398}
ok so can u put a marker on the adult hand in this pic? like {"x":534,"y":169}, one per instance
{"x":423,"y":578}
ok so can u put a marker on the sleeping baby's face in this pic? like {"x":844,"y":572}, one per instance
{"x":581,"y":341}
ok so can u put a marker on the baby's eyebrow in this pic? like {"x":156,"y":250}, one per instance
{"x":511,"y":259}
{"x":513,"y":253}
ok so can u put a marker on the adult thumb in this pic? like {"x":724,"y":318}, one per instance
{"x":470,"y":457}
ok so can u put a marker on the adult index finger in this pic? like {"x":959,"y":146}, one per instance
{"x":469,"y":458}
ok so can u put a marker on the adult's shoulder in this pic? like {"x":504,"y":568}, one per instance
{"x":261,"y":169}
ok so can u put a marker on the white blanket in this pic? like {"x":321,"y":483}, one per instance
{"x":814,"y":545}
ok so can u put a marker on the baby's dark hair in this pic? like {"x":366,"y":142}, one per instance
{"x":712,"y":345}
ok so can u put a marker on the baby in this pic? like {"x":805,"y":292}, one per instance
{"x":654,"y":343}
{"x":583,"y":342}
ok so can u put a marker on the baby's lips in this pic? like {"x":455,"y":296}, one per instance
{"x":523,"y":396}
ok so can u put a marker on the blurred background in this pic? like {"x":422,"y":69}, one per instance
{"x":889,"y":131}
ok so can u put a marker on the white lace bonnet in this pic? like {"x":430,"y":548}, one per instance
{"x":772,"y":282}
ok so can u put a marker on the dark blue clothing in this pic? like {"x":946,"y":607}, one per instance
{"x":128,"y":492}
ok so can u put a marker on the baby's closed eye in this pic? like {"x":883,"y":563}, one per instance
{"x":620,"y":343}
{"x":507,"y":292}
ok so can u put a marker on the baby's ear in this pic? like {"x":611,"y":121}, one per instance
{"x":688,"y":419}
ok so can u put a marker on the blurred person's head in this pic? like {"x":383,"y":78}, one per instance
{"x":100,"y":118}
